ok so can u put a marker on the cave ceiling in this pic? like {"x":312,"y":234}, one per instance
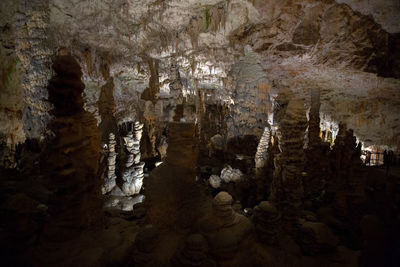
{"x":347,"y":49}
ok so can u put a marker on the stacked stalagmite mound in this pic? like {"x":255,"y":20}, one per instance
{"x":287,"y":187}
{"x":110,"y":177}
{"x":225,"y":230}
{"x":70,"y":163}
{"x":133,"y":174}
{"x":266,"y":219}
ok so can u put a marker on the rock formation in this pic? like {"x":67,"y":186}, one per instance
{"x":316,"y":238}
{"x":261,"y":158}
{"x":287,"y":187}
{"x":71,"y":162}
{"x":225,"y":230}
{"x":110,"y":176}
{"x":144,"y":245}
{"x":316,"y":169}
{"x":214,"y":181}
{"x":228,"y":174}
{"x":266,"y":219}
{"x":194,"y":253}
{"x":133,"y":174}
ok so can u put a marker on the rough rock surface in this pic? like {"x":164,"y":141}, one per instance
{"x":266,"y":221}
{"x":225,"y":230}
{"x":287,"y":186}
{"x":243,"y":52}
{"x":71,"y":161}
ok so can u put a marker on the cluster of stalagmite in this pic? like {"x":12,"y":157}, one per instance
{"x":133,"y":174}
{"x":109,"y":179}
{"x":228,"y":174}
{"x":287,"y":188}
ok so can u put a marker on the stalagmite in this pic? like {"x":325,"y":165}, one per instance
{"x":228,"y":174}
{"x":316,"y":169}
{"x":261,"y":158}
{"x":225,"y":230}
{"x":109,"y":179}
{"x":133,"y":174}
{"x":72,"y":160}
{"x":287,"y":187}
{"x":266,"y":219}
{"x":215,"y":181}
{"x":193,"y":253}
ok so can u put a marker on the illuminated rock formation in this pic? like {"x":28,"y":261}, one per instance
{"x":133,"y":174}
{"x":261,"y":158}
{"x":228,"y":174}
{"x":110,"y":176}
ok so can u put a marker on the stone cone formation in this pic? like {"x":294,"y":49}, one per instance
{"x":225,"y":230}
{"x":261,"y":157}
{"x":70,"y":165}
{"x":133,"y":175}
{"x":316,"y":171}
{"x":287,"y":188}
{"x":346,"y":154}
{"x":266,"y":219}
{"x":194,"y":253}
{"x":109,"y":179}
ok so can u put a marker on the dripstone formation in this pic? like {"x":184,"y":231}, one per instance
{"x":266,"y":219}
{"x":317,"y":170}
{"x":71,"y":162}
{"x":133,"y":174}
{"x":225,"y":230}
{"x":110,"y":176}
{"x":261,"y":158}
{"x":287,"y":187}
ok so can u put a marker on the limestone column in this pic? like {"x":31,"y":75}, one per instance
{"x":109,"y":179}
{"x":287,"y":186}
{"x":133,"y":175}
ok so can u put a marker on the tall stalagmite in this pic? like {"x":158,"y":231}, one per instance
{"x":287,"y":187}
{"x":71,"y":163}
{"x":316,"y":169}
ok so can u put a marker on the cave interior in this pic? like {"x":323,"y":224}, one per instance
{"x":200,"y":133}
